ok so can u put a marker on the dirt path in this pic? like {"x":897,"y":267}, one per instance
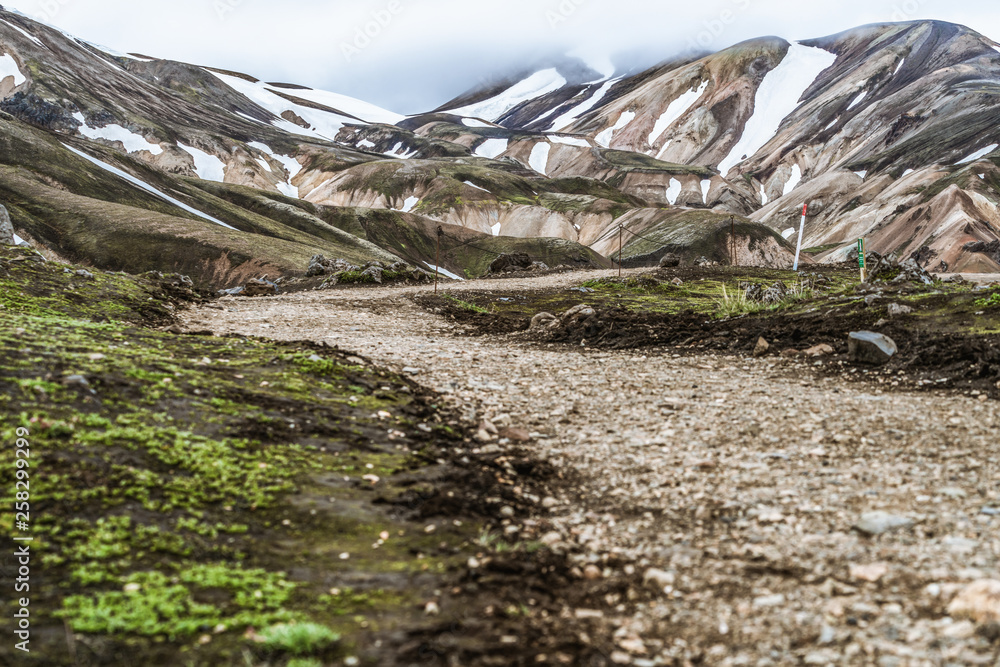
{"x":722,"y":491}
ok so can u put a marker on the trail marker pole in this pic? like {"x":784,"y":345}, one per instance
{"x":861,"y":260}
{"x":732,"y":238}
{"x":802,"y":230}
{"x":437,"y":259}
{"x":621,"y":248}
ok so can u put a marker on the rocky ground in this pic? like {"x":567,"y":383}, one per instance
{"x":735,"y":511}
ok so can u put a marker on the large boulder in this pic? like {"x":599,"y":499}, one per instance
{"x":669,"y":261}
{"x":517,"y":261}
{"x":259,"y":288}
{"x":6,"y":228}
{"x":868,"y":347}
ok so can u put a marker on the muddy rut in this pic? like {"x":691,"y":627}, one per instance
{"x":749,"y":512}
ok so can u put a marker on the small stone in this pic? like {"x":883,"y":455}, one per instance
{"x":96,"y":357}
{"x":952,"y":492}
{"x":550,"y":539}
{"x":345,"y":556}
{"x":205,"y":639}
{"x":430,"y":529}
{"x":515,"y":434}
{"x":979,"y":602}
{"x":549,"y":503}
{"x":621,"y":658}
{"x":583,"y":614}
{"x":659,"y":579}
{"x":432,"y":608}
{"x":960,"y":630}
{"x":542,"y":320}
{"x":507,"y":512}
{"x":676,"y":282}
{"x":897,"y":310}
{"x":867,"y":347}
{"x":132,"y":588}
{"x":766,"y":601}
{"x":761,"y":348}
{"x":474,"y":564}
{"x":592,"y":573}
{"x":872,"y":572}
{"x":821,"y":350}
{"x":877,"y":523}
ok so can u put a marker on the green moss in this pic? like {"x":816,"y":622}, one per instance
{"x":298,"y":638}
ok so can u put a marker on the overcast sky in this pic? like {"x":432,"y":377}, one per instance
{"x":418,"y":54}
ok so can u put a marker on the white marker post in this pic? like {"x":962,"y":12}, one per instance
{"x":802,"y":230}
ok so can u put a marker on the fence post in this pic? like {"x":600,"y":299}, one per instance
{"x":621,"y":248}
{"x":437,"y":258}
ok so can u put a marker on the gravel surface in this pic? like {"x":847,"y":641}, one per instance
{"x":758,"y":513}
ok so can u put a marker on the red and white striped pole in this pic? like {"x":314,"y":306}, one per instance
{"x":802,"y":229}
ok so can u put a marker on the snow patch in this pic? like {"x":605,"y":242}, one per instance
{"x":133,"y":142}
{"x":348,"y":105}
{"x":793,"y":181}
{"x":472,"y":122}
{"x":979,"y":154}
{"x":675,"y":110}
{"x":496,"y":229}
{"x":8,"y":67}
{"x":788,"y":233}
{"x":473,"y":185}
{"x":263,"y":163}
{"x":777,"y":97}
{"x":409,"y":204}
{"x":364,"y":143}
{"x":706,"y":186}
{"x":570,"y":141}
{"x":907,"y":173}
{"x":763,"y":196}
{"x":444,"y":272}
{"x":832,"y":123}
{"x":207,"y":166}
{"x":539,"y":158}
{"x":145,"y":186}
{"x":290,"y":164}
{"x":674,"y":191}
{"x":862,"y":174}
{"x":663,"y":151}
{"x":899,"y":66}
{"x":858,"y":99}
{"x":571,"y":116}
{"x":25,"y":33}
{"x":491,"y":148}
{"x":605,"y":137}
{"x":538,"y":84}
{"x":982,"y":177}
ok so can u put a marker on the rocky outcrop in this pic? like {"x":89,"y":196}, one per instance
{"x":6,"y":228}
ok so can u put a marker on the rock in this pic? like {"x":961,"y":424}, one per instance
{"x":551,"y":539}
{"x":576,"y":313}
{"x":979,"y":602}
{"x":703,"y":261}
{"x":515,"y":434}
{"x":658,"y":579}
{"x":878,"y":523}
{"x":234,"y":291}
{"x":867,"y":347}
{"x":872,"y":299}
{"x":761,"y":348}
{"x":510,"y":262}
{"x":766,"y":601}
{"x":538,"y":266}
{"x":776,"y":293}
{"x":676,"y":282}
{"x":821,"y":350}
{"x":669,"y":260}
{"x":542,"y":320}
{"x":6,"y":227}
{"x":896,"y":310}
{"x":550,"y":503}
{"x":592,"y":573}
{"x":256,"y":288}
{"x":791,"y":353}
{"x":871,"y":573}
{"x":432,"y":608}
{"x":754,"y":293}
{"x":84,"y":273}
{"x":373,"y":272}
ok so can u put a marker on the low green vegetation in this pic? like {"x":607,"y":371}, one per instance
{"x":186,"y":489}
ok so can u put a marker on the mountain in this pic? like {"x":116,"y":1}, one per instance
{"x":130,"y":162}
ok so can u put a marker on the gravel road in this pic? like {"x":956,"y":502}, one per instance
{"x":773,"y":515}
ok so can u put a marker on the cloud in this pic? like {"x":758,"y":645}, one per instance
{"x":413,"y":55}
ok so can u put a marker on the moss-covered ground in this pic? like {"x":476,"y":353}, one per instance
{"x":190,"y":494}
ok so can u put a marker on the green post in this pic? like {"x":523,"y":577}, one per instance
{"x":861,"y":260}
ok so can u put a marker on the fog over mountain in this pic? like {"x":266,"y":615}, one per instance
{"x":409,"y":56}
